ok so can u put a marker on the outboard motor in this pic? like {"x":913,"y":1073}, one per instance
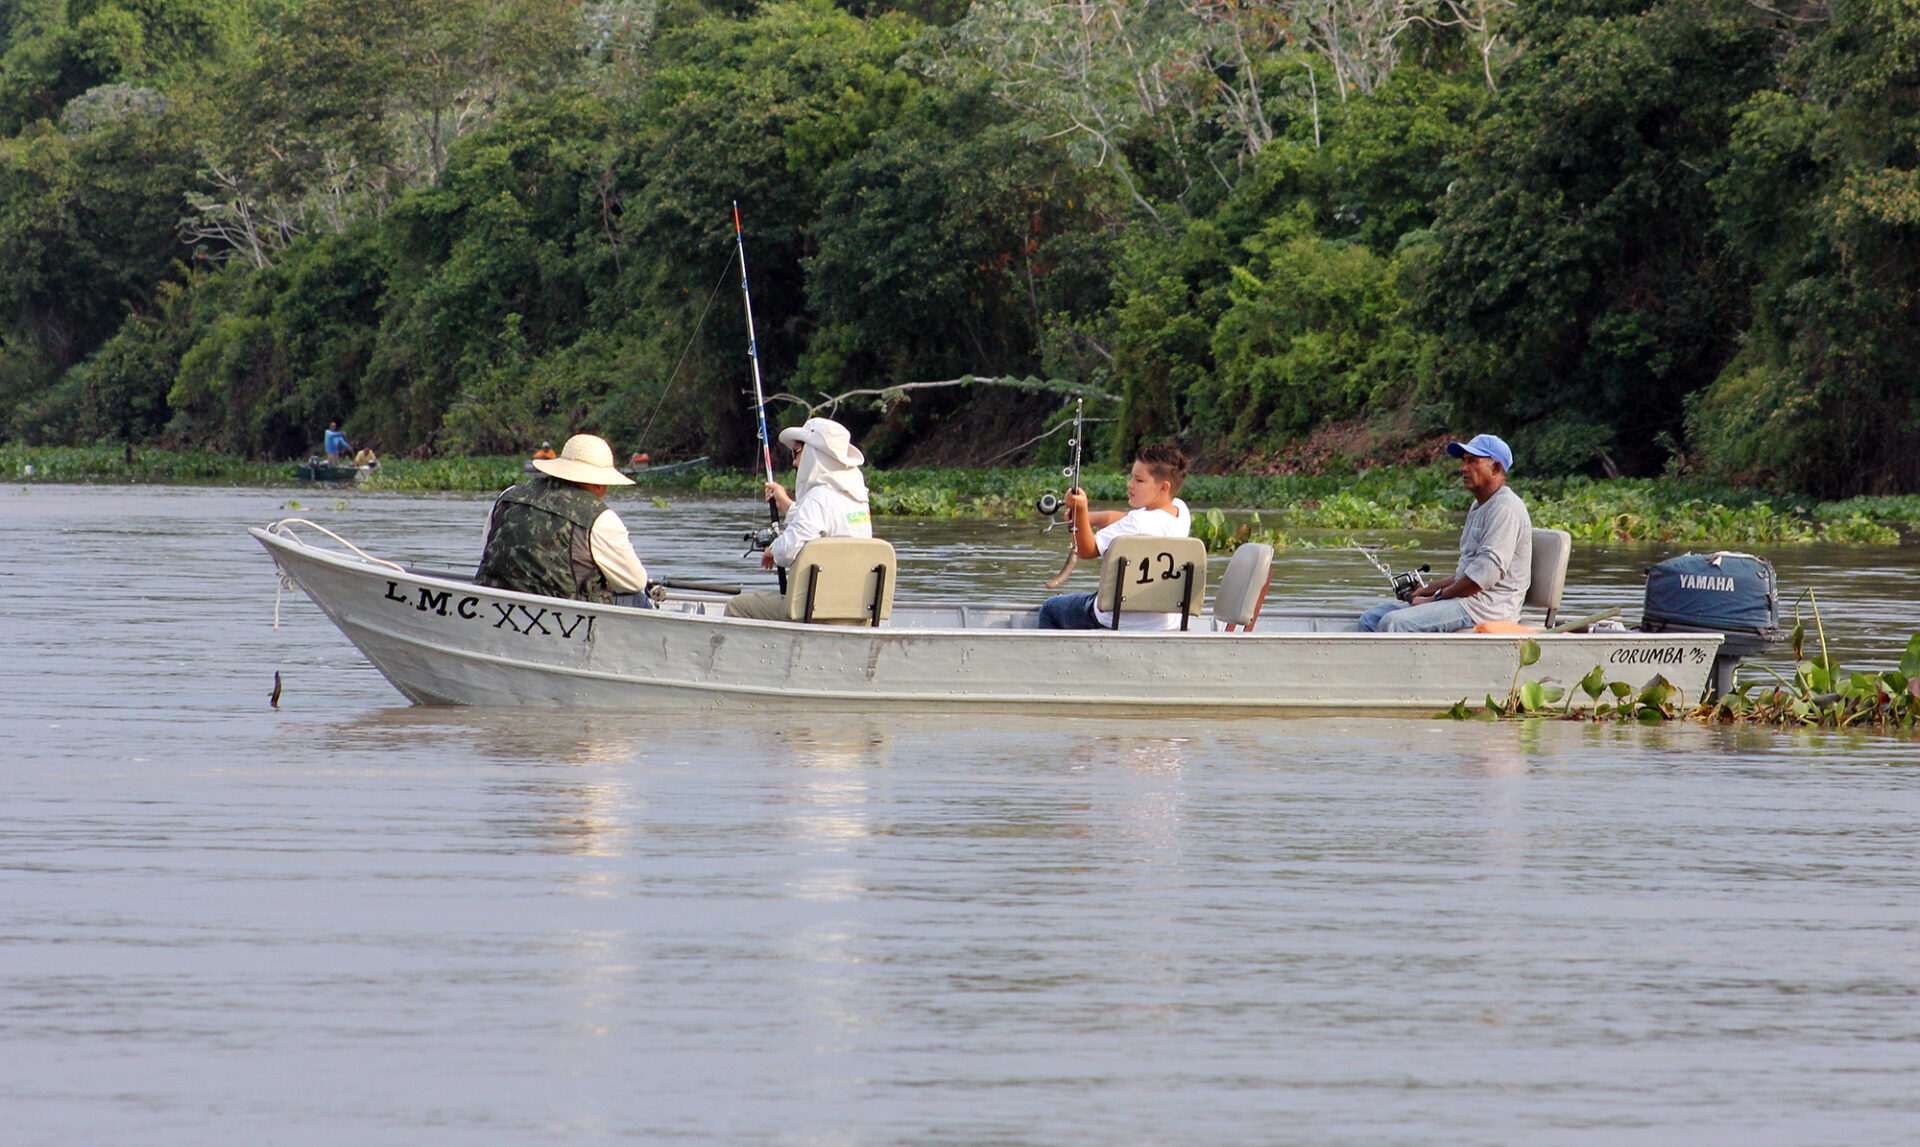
{"x":1723,"y":592}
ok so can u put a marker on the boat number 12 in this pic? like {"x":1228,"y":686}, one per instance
{"x":1167,"y":573}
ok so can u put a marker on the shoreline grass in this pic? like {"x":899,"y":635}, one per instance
{"x":1230,"y":508}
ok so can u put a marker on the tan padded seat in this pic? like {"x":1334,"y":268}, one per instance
{"x":1141,"y":574}
{"x":1243,"y":587}
{"x":842,"y":581}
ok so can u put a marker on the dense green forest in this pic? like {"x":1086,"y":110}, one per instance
{"x":1636,"y":236}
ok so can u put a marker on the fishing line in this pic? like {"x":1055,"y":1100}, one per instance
{"x":725,"y":270}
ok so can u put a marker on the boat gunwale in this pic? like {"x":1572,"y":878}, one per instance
{"x":351,"y":562}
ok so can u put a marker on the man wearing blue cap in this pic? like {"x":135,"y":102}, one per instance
{"x":1496,"y":555}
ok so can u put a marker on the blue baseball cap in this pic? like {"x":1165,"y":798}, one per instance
{"x":1486,"y":446}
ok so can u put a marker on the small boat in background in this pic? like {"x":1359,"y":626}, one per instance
{"x":322,"y":469}
{"x":639,"y":465}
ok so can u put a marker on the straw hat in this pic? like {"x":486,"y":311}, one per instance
{"x":587,"y":459}
{"x":828,"y":437}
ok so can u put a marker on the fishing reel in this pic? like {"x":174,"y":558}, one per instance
{"x":760,"y":539}
{"x":1407,"y":582}
{"x":1050,"y":504}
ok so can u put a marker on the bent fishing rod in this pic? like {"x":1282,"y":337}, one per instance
{"x":759,"y":399}
{"x":1048,"y":503}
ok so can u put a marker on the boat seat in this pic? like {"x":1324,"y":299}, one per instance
{"x":842,"y":581}
{"x":1551,"y":549}
{"x":1142,"y":574}
{"x":1243,"y":587}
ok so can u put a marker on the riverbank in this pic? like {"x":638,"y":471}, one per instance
{"x":1281,"y":509}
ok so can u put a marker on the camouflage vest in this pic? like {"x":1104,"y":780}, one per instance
{"x":540,"y":540}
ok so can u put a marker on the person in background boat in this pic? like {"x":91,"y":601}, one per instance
{"x":1496,"y":555}
{"x":554,"y":535}
{"x":1153,"y":486}
{"x":829,"y":501}
{"x":366,"y":457}
{"x":336,"y":445}
{"x":545,"y":453}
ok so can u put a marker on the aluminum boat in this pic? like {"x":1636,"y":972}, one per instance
{"x":441,"y":640}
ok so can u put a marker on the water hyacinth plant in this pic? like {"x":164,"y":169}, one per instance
{"x":1274,"y":509}
{"x":1818,"y":694}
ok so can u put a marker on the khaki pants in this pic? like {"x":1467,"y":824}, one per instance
{"x":761,"y":605}
{"x":768,"y":605}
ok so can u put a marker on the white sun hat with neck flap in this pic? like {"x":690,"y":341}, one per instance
{"x":586,"y":459}
{"x":827,"y":436}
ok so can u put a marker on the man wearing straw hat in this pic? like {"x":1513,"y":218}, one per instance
{"x":554,"y":535}
{"x":831,"y":502}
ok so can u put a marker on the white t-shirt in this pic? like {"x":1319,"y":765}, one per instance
{"x":1153,"y":524}
{"x":821,"y":512}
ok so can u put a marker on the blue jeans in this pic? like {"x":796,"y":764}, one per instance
{"x":1443,"y":616}
{"x":1068,"y":611}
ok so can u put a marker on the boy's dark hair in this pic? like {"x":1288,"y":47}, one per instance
{"x":1165,"y":463}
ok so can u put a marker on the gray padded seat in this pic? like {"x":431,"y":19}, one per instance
{"x":1551,"y":549}
{"x":1243,"y":587}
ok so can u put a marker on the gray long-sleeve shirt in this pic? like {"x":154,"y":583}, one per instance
{"x":1496,"y":551}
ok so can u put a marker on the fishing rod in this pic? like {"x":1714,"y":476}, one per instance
{"x":1404,"y":584}
{"x":759,"y":399}
{"x":1049,"y":504}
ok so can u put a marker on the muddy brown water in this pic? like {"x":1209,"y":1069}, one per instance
{"x":348,"y":920}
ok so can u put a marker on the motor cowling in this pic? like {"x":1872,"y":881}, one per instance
{"x":1723,"y":592}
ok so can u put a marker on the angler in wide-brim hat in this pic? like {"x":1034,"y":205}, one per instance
{"x":554,"y":535}
{"x":829,"y":501}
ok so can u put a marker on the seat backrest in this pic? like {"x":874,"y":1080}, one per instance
{"x":1551,"y":549}
{"x":1243,"y":587}
{"x":1142,"y":574}
{"x":842,"y":580}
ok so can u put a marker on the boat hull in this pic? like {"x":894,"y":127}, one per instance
{"x":441,"y":640}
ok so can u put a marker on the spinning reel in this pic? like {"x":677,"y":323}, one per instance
{"x":1406,"y":582}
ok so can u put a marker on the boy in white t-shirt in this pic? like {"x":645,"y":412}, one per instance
{"x":1155,"y":479}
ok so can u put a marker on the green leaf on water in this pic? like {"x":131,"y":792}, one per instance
{"x":1593,"y":683}
{"x":1619,"y":688}
{"x":1529,"y":652}
{"x":1798,"y":638}
{"x":1910,"y":662}
{"x":1650,"y":716}
{"x":1532,"y":697}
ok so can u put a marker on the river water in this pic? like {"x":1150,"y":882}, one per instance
{"x":347,"y":920}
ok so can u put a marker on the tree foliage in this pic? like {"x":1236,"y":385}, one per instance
{"x":1631,"y":234}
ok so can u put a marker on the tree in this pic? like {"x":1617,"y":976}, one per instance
{"x":1581,"y":285}
{"x":1821,"y":192}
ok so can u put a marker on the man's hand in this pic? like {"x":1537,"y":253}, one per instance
{"x":777,"y":494}
{"x":766,"y":561}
